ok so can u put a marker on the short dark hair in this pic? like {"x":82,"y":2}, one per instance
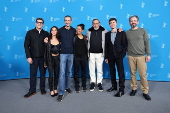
{"x":68,"y":16}
{"x":134,"y":16}
{"x":111,"y":19}
{"x":95,"y":19}
{"x":82,"y":26}
{"x":39,"y":19}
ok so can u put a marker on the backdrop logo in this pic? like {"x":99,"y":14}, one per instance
{"x":5,"y":9}
{"x":147,"y":74}
{"x":15,"y":0}
{"x":121,"y":26}
{"x":108,"y":16}
{"x":18,"y":56}
{"x":26,"y":28}
{"x":35,"y":1}
{"x":71,"y":0}
{"x":162,"y":65}
{"x":6,"y":28}
{"x":152,"y":75}
{"x":54,"y":19}
{"x":169,"y":55}
{"x":75,"y":18}
{"x":33,"y":19}
{"x":152,"y":36}
{"x":101,"y":7}
{"x":164,"y":24}
{"x":25,"y":9}
{"x":52,"y":1}
{"x":2,"y":57}
{"x":126,"y":74}
{"x":90,"y":18}
{"x":141,"y":25}
{"x":153,"y":56}
{"x":89,"y":0}
{"x":152,"y":15}
{"x":63,"y":9}
{"x":8,"y":47}
{"x":19,"y":74}
{"x":81,"y":8}
{"x":165,"y":3}
{"x":17,"y":38}
{"x":143,"y":5}
{"x":9,"y":65}
{"x":168,"y":75}
{"x":128,"y":16}
{"x":121,"y":6}
{"x":16,"y":19}
{"x":163,"y":46}
{"x":45,"y":9}
{"x":46,"y":28}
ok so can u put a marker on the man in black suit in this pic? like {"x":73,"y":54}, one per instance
{"x":115,"y":51}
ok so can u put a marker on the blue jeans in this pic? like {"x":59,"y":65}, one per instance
{"x":66,"y":63}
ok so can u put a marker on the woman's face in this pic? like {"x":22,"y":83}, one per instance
{"x":54,"y":31}
{"x":79,"y":30}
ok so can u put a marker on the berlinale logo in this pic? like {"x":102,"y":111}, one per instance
{"x":35,"y":1}
{"x":164,"y":24}
{"x":26,"y":9}
{"x":8,"y":47}
{"x":143,"y":5}
{"x":6,"y":28}
{"x":101,"y":7}
{"x":81,"y":8}
{"x":5,"y":9}
{"x":162,"y":65}
{"x":166,"y":3}
{"x":45,"y":9}
{"x":63,"y":9}
{"x":121,"y":6}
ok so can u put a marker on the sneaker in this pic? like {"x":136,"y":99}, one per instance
{"x":60,"y":98}
{"x":68,"y":90}
{"x":100,"y":87}
{"x":92,"y":87}
{"x":84,"y":89}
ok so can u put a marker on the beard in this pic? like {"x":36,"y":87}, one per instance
{"x":133,"y":25}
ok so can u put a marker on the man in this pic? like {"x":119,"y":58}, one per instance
{"x":66,"y":56}
{"x":34,"y":49}
{"x":115,"y":51}
{"x":138,"y":54}
{"x":96,"y":41}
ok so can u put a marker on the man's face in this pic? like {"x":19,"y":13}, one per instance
{"x":133,"y":22}
{"x":67,"y":21}
{"x":113,"y":24}
{"x":39,"y":24}
{"x":96,"y":24}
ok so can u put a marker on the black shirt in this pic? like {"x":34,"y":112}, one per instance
{"x":96,"y":41}
{"x":55,"y":49}
{"x":80,"y":47}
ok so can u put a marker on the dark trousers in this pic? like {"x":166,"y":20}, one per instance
{"x":120,"y":69}
{"x":80,"y":61}
{"x":37,"y":63}
{"x":54,"y":73}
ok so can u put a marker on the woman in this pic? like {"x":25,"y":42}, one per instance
{"x":80,"y":57}
{"x":52,"y":59}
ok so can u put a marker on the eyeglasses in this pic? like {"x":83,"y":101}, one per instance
{"x":40,"y":22}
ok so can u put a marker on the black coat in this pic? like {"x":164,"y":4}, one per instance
{"x":34,"y":43}
{"x":119,"y":48}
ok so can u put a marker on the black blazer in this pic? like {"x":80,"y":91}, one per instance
{"x":119,"y":48}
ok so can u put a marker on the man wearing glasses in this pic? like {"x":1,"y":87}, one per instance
{"x":34,"y":49}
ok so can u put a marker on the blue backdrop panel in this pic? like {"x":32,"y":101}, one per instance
{"x":18,"y":16}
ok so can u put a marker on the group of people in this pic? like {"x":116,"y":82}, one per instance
{"x":62,"y":48}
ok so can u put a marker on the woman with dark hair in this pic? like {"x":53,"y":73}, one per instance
{"x":52,"y":59}
{"x":80,"y":57}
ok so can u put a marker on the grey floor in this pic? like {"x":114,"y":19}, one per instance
{"x":12,"y":101}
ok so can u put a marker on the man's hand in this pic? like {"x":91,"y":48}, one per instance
{"x":148,"y":58}
{"x":29,"y":60}
{"x":120,"y":29}
{"x":46,"y":40}
{"x":106,"y":60}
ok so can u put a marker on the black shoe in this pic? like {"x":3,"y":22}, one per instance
{"x":92,"y":86}
{"x":55,"y":94}
{"x":68,"y":90}
{"x":84,"y":88}
{"x":119,"y":94}
{"x":111,"y":89}
{"x":60,"y":98}
{"x":133,"y":92}
{"x":43,"y":92}
{"x":29,"y":94}
{"x":146,"y":96}
{"x":77,"y":90}
{"x":100,"y":87}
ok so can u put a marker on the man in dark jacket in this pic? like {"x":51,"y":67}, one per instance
{"x":115,"y":51}
{"x":34,"y":49}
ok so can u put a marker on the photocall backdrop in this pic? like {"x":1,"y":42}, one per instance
{"x":18,"y":16}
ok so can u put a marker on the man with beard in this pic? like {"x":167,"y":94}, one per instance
{"x":138,"y":54}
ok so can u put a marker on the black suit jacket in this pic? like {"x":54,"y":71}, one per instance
{"x":119,"y":48}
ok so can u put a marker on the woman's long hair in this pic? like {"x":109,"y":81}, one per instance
{"x":57,"y":35}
